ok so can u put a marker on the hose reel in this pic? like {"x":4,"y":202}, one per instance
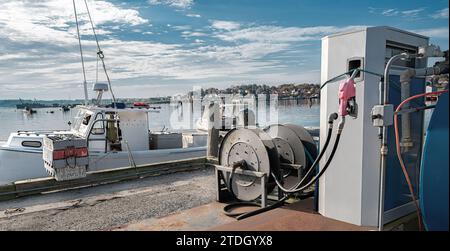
{"x":256,"y":148}
{"x":278,"y":148}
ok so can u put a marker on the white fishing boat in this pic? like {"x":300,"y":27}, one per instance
{"x":115,"y":138}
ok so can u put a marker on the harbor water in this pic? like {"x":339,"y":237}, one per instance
{"x":12,"y":119}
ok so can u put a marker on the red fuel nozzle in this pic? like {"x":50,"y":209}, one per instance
{"x":347,"y":93}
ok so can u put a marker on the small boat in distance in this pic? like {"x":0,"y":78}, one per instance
{"x":28,"y":110}
{"x":140,"y":105}
{"x":65,"y":108}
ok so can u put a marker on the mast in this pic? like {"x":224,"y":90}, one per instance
{"x":86,"y":98}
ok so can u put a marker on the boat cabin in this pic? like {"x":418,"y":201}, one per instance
{"x":110,"y":129}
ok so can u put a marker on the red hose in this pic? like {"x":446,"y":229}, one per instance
{"x":399,"y":155}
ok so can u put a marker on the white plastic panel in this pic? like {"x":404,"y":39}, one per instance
{"x":134,"y":127}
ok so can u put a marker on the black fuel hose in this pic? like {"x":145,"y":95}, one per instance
{"x":313,"y":180}
{"x":227,"y":209}
{"x":241,"y":164}
{"x":277,"y":204}
{"x":331,"y":119}
{"x":282,"y":200}
{"x":287,"y":191}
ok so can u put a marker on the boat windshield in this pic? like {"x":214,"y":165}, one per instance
{"x":78,"y":120}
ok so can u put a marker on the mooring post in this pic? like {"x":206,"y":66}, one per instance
{"x":213,"y":130}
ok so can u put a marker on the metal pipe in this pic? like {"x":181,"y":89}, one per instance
{"x":405,"y":92}
{"x":428,"y":71}
{"x":386,"y":74}
{"x":380,"y":101}
{"x":405,"y":81}
{"x":384,"y":147}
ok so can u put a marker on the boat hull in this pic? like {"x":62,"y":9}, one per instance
{"x":19,"y":164}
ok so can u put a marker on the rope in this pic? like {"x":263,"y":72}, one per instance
{"x":100,"y":54}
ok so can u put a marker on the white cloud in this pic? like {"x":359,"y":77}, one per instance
{"x":43,"y":51}
{"x":194,"y":15}
{"x":281,"y":34}
{"x":198,"y":41}
{"x":182,"y":27}
{"x":411,"y":13}
{"x":104,"y":12}
{"x":193,"y":34}
{"x":182,"y":4}
{"x":390,"y":12}
{"x":225,"y":25}
{"x":439,"y":32}
{"x":441,"y":14}
{"x":51,"y":19}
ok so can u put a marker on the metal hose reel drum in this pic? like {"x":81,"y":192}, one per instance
{"x":257,"y":149}
{"x":291,"y":150}
{"x":281,"y":149}
{"x":306,"y":138}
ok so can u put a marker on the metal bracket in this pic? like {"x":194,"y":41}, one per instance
{"x":260,"y":175}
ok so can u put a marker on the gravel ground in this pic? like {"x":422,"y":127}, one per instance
{"x":108,"y":206}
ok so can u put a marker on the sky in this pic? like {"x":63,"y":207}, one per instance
{"x":164,"y":47}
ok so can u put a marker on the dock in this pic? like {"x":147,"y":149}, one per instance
{"x":298,"y":216}
{"x":161,"y":197}
{"x":107,"y":206}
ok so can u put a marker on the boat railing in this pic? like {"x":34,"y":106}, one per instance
{"x":37,"y":132}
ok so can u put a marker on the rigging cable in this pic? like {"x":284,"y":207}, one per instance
{"x":86,"y":98}
{"x":96,"y":72}
{"x":399,"y":154}
{"x":100,"y":54}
